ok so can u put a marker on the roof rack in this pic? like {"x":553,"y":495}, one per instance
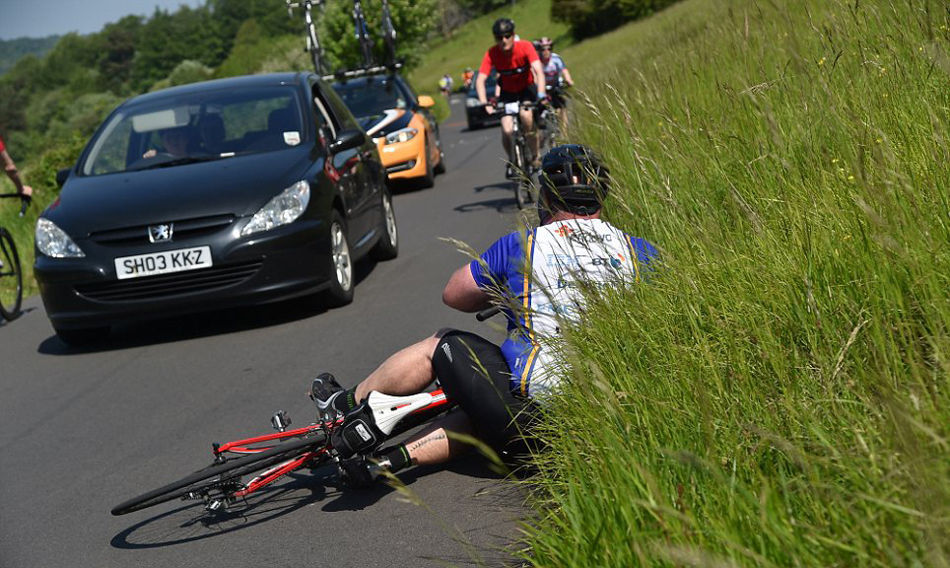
{"x":344,"y":74}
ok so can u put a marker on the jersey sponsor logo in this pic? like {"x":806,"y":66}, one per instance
{"x":608,"y":261}
{"x":562,"y":260}
{"x":584,"y":237}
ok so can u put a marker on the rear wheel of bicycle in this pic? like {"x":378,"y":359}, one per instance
{"x":221,"y":475}
{"x":389,"y":38}
{"x":11,"y":277}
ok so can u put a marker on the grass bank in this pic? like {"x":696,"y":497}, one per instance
{"x":779,"y":394}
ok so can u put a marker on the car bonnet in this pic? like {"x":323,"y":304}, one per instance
{"x":390,"y":121}
{"x":237,"y":186}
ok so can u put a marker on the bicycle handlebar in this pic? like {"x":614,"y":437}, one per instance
{"x":487,"y":313}
{"x":25,"y":201}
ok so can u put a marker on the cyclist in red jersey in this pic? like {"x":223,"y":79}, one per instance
{"x":10,"y":168}
{"x":520,"y":77}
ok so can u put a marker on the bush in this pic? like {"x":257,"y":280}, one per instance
{"x":588,"y":18}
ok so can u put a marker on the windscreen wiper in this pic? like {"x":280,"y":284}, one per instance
{"x":182,"y":161}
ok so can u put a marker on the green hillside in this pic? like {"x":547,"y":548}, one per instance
{"x":12,"y":50}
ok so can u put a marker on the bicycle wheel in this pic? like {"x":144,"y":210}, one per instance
{"x":220,"y":476}
{"x":389,"y":34}
{"x":11,"y":277}
{"x":316,"y":54}
{"x":522,"y":187}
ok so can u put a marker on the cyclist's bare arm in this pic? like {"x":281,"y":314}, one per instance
{"x":480,"y":89}
{"x":538,"y":72}
{"x":567,"y":77}
{"x":462,"y":293}
{"x":11,"y":170}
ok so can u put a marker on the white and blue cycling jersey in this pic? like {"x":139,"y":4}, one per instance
{"x":544,"y":268}
{"x":552,"y":69}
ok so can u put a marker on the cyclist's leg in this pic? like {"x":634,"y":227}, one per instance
{"x":407,"y":371}
{"x":473,"y":372}
{"x":433,"y":445}
{"x":530,"y":132}
{"x":507,"y":127}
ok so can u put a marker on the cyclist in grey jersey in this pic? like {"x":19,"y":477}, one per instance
{"x":497,"y":388}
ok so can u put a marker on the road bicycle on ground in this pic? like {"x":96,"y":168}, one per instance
{"x":11,"y":273}
{"x":269,"y":457}
{"x":313,"y":42}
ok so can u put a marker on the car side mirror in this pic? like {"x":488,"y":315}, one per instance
{"x":62,"y":175}
{"x":425,"y":101}
{"x":347,"y":139}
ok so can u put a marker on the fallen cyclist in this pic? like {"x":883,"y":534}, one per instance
{"x":497,"y":388}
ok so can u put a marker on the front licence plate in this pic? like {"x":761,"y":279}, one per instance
{"x":163,"y":262}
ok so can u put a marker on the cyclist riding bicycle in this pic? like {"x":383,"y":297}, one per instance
{"x":520,"y":78}
{"x":556,"y":74}
{"x":544,"y":270}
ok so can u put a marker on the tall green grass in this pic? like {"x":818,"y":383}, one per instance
{"x":779,"y":394}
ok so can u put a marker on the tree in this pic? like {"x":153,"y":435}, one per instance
{"x":412,"y":19}
{"x":592,"y":17}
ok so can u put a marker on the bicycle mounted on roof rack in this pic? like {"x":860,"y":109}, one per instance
{"x":388,"y":33}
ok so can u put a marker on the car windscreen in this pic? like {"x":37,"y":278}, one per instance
{"x":370,"y":97}
{"x":196,"y":126}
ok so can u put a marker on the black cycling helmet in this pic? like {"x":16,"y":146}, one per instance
{"x":574,"y":179}
{"x":503,"y":26}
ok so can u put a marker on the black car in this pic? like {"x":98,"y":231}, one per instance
{"x":215,"y":194}
{"x":475,"y":110}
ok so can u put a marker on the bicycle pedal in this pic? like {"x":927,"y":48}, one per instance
{"x":280,"y":420}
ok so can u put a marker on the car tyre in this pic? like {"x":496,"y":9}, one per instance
{"x":388,"y":246}
{"x":83,"y":336}
{"x":340,"y":292}
{"x":428,"y":180}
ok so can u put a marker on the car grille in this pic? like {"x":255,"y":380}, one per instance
{"x":185,"y":228}
{"x":170,"y":285}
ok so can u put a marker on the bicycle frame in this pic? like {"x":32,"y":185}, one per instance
{"x":313,"y":42}
{"x":389,"y":412}
{"x":25,"y":200}
{"x":362,"y":34}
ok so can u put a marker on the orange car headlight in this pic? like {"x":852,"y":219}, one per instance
{"x":401,"y":135}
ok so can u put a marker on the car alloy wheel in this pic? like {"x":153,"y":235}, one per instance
{"x":341,"y":264}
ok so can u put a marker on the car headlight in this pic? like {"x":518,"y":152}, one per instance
{"x":471,"y":103}
{"x":282,"y":209}
{"x":53,"y":241}
{"x":402,"y":135}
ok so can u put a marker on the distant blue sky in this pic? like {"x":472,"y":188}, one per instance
{"x":40,"y":18}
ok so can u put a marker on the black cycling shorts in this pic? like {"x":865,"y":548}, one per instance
{"x":557,"y":99}
{"x":473,"y":373}
{"x":530,"y":94}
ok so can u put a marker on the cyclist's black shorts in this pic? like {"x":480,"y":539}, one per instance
{"x":473,"y":372}
{"x":557,"y":98}
{"x":530,"y":94}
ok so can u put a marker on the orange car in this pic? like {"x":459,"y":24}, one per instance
{"x":400,"y":123}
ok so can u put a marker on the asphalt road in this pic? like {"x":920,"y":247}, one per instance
{"x":82,"y":430}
